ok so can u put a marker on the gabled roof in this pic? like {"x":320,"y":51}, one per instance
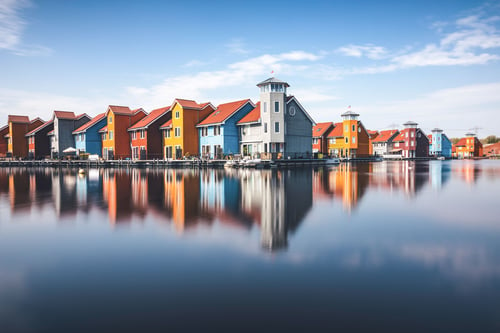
{"x":384,"y":136}
{"x":224,"y":112}
{"x":252,"y":116}
{"x":292,"y":98}
{"x":18,"y":119}
{"x":50,"y":133}
{"x":150,"y":118}
{"x":338,"y":131}
{"x":6,"y":127}
{"x":91,"y":123}
{"x":461,"y":142}
{"x":190,"y":104}
{"x":124,"y":110}
{"x":104,"y":129}
{"x":321,"y":128}
{"x":272,"y":80}
{"x":39,"y":128}
{"x":64,"y":115}
{"x":167,"y":125}
{"x":401,"y":135}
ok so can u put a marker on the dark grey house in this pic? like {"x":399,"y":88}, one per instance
{"x":65,"y":122}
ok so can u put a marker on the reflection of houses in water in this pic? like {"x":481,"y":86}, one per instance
{"x":182,"y":196}
{"x":439,"y":174}
{"x":408,"y":176}
{"x":347,"y":182}
{"x":278,"y":200}
{"x":468,"y":171}
{"x":117,"y":194}
{"x":64,"y":193}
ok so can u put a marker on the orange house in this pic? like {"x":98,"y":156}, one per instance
{"x":320,"y":140}
{"x":468,"y":147}
{"x":146,"y":136}
{"x":17,"y":145}
{"x":180,"y":135}
{"x":115,"y":137}
{"x":349,"y":139}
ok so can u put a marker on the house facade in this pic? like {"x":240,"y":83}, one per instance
{"x":180,"y":137}
{"x":4,"y":142}
{"x":146,"y":136}
{"x":218,"y":132}
{"x":283,"y":127}
{"x":87,"y":138}
{"x":383,"y":144}
{"x":468,"y":147}
{"x":65,"y":122}
{"x":372,"y":135}
{"x":439,"y":144}
{"x":320,"y":137}
{"x":411,"y":142}
{"x":115,"y":136}
{"x":39,"y":141}
{"x":19,"y":126}
{"x":349,"y":139}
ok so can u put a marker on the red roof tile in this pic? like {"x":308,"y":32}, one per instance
{"x":64,"y":115}
{"x":33,"y":132}
{"x":338,"y":131}
{"x":385,"y":135}
{"x":122,"y":110}
{"x":223,"y":112}
{"x":18,"y":119}
{"x":190,"y":104}
{"x":89,"y":124}
{"x":104,"y":129}
{"x":320,"y":129}
{"x":252,"y":116}
{"x":150,"y":118}
{"x":462,"y":142}
{"x":168,"y":124}
{"x":401,"y":136}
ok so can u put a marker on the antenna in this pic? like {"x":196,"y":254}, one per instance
{"x":475,"y":129}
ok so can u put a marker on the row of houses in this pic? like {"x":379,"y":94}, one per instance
{"x":277,"y":126}
{"x":350,"y":139}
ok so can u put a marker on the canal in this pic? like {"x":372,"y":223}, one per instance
{"x":388,"y":246}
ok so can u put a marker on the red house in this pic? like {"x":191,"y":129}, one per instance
{"x":146,"y":136}
{"x":17,"y":146}
{"x":4,"y":131}
{"x":411,"y":141}
{"x":320,"y":140}
{"x":39,"y":141}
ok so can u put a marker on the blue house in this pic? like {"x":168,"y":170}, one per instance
{"x":88,"y":138}
{"x":439,"y":144}
{"x":218,"y":132}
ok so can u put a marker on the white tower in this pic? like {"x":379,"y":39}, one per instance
{"x":272,"y":113}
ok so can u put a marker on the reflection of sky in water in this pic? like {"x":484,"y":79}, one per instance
{"x":393,"y":242}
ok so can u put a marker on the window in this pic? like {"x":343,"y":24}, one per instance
{"x":412,"y":134}
{"x":276,"y":127}
{"x":143,"y":134}
{"x":265,"y":107}
{"x":346,"y":139}
{"x":346,"y":128}
{"x":406,"y":134}
{"x":177,"y":132}
{"x":406,"y":143}
{"x":412,"y":143}
{"x":110,"y":119}
{"x":265,"y":127}
{"x":111,"y":135}
{"x":217,"y":130}
{"x":177,"y":114}
{"x":396,"y":144}
{"x":167,"y":133}
{"x":276,"y":106}
{"x":354,"y":128}
{"x":103,"y":136}
{"x":353,"y":139}
{"x":315,"y":141}
{"x":134,"y":135}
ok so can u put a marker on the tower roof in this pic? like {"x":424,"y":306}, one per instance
{"x":437,"y":130}
{"x":410,"y":123}
{"x":350,"y":113}
{"x":272,"y":80}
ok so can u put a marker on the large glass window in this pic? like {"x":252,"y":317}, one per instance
{"x":265,"y":127}
{"x":276,"y":106}
{"x":276,"y":127}
{"x":177,"y":132}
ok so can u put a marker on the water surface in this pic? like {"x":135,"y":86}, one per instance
{"x":387,"y":246}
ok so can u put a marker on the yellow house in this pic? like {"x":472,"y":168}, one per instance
{"x":180,"y":135}
{"x":349,"y":138}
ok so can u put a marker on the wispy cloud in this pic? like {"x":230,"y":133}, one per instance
{"x":237,"y":46}
{"x":12,"y":26}
{"x":368,"y":51}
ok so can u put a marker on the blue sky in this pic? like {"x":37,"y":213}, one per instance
{"x":434,"y":62}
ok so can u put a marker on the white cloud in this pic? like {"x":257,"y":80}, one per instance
{"x":237,"y":46}
{"x":368,"y":51}
{"x":11,"y":29}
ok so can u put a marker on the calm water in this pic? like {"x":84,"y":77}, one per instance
{"x":388,"y":246}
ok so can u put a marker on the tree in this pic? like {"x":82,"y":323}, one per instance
{"x":454,"y":140}
{"x":491,"y":139}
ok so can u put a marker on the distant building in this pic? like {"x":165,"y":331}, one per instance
{"x":181,"y":136}
{"x":17,"y":145}
{"x":411,"y":142}
{"x":4,"y":142}
{"x":115,"y":136}
{"x":278,"y":127}
{"x":349,"y":139}
{"x":372,"y":135}
{"x":492,"y":149}
{"x":320,"y":137}
{"x":439,"y":144}
{"x":218,"y":132}
{"x":383,"y":143}
{"x":468,"y":147}
{"x":65,"y":122}
{"x":146,"y":136}
{"x":39,"y":141}
{"x":87,"y":137}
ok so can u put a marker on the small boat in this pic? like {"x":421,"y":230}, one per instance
{"x":441,"y":158}
{"x":81,"y":171}
{"x":331,"y":161}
